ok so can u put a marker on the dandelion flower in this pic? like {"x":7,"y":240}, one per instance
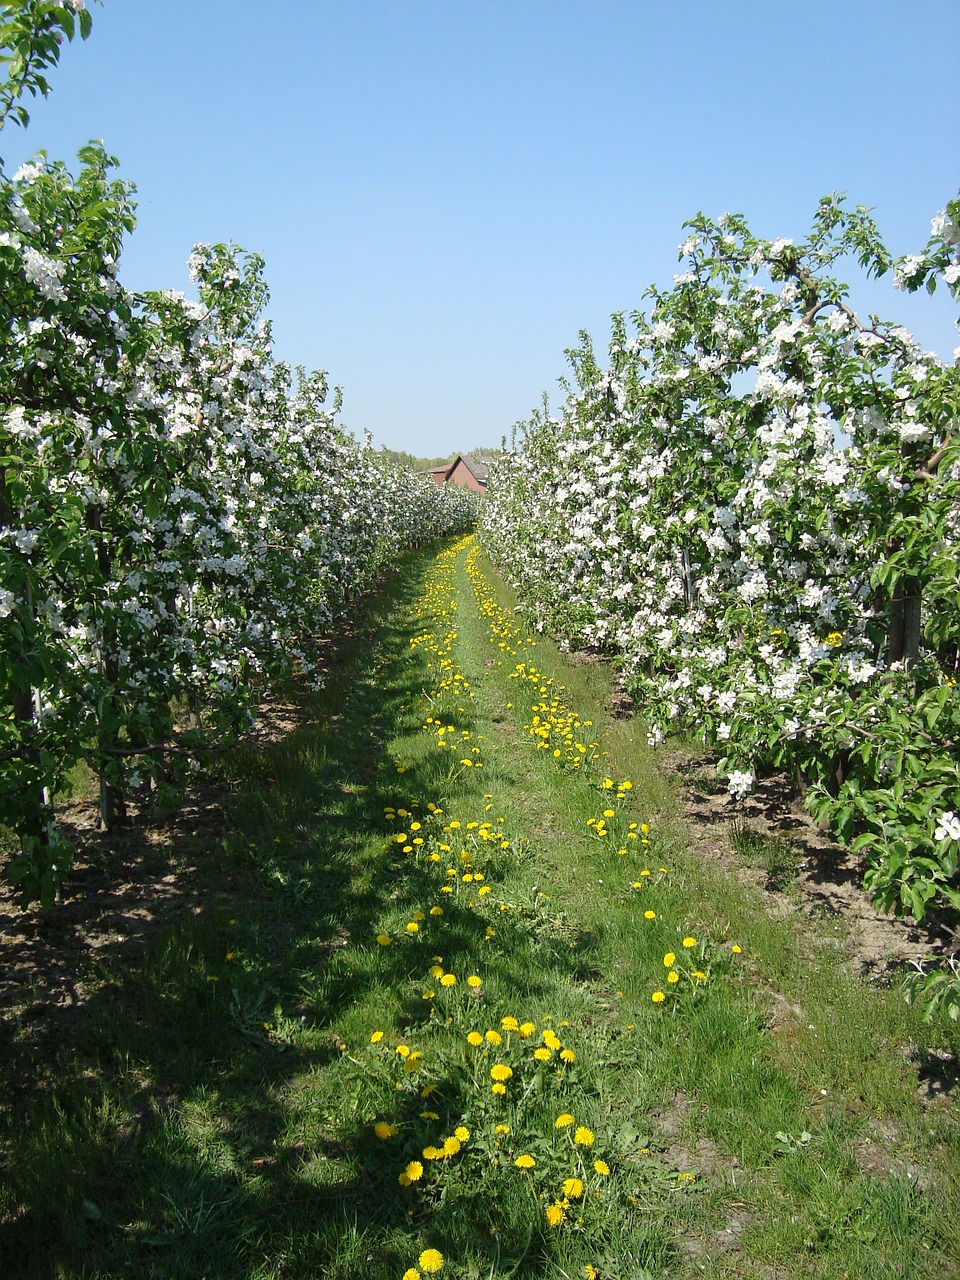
{"x":689,"y":942}
{"x":563,"y":1121}
{"x":411,"y":1273}
{"x":448,"y":980}
{"x":475,"y":1038}
{"x":669,"y":960}
{"x":573,"y":1188}
{"x":673,"y":976}
{"x":384,"y":939}
{"x":461,"y":1133}
{"x":658,"y":997}
{"x":510,"y":1024}
{"x":500,"y":1071}
{"x":567,"y":1055}
{"x":525,"y":1161}
{"x":555,"y":1214}
{"x":431,"y":1260}
{"x":474,"y":981}
{"x":583,"y":1136}
{"x":414,"y":1170}
{"x":413,"y":927}
{"x":736,"y":950}
{"x":499,"y":1088}
{"x":376,"y":1037}
{"x":650,"y":915}
{"x":602,"y":1168}
{"x":384,"y":1130}
{"x":493,"y":1037}
{"x":526,"y":1029}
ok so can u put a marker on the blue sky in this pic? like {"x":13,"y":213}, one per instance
{"x":445,"y":193}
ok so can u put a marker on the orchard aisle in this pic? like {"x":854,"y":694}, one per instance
{"x":462,"y":1003}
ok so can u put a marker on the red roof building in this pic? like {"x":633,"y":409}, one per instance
{"x":462,"y":471}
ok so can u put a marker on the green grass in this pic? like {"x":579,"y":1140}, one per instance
{"x":212,"y":1117}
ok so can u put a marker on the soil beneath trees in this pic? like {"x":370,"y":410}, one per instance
{"x":770,"y":842}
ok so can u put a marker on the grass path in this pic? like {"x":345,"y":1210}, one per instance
{"x":462,"y":1001}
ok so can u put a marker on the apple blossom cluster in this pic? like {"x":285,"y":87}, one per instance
{"x":756,"y":508}
{"x":180,"y":514}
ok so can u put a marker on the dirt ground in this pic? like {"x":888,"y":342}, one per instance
{"x":818,"y":877}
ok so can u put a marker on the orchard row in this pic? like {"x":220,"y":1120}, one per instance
{"x":756,"y":506}
{"x":180,"y":514}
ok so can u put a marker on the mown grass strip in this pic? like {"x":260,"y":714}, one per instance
{"x":416,"y":905}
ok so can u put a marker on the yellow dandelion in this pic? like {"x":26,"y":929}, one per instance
{"x":510,"y":1024}
{"x":501,"y":1129}
{"x":436,"y":911}
{"x":431,"y":1260}
{"x":583,"y":1136}
{"x":499,"y":1089}
{"x":555,"y":1214}
{"x":384,"y":939}
{"x":567,"y":1055}
{"x":669,"y":960}
{"x":573,"y":1188}
{"x":689,"y":942}
{"x":658,"y":997}
{"x":432,"y":1153}
{"x":526,"y":1029}
{"x":524,"y":1161}
{"x":451,"y":1145}
{"x":376,"y":1037}
{"x":413,"y":927}
{"x":500,"y":1071}
{"x":475,"y":982}
{"x":736,"y":950}
{"x":475,"y":1038}
{"x":563,"y":1121}
{"x":602,"y":1168}
{"x":493,"y":1036}
{"x":673,"y":976}
{"x":649,"y":915}
{"x":698,"y":973}
{"x":461,"y":1133}
{"x":448,"y":980}
{"x":411,"y":1273}
{"x":414,"y":1171}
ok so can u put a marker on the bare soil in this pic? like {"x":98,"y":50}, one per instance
{"x":822,"y":880}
